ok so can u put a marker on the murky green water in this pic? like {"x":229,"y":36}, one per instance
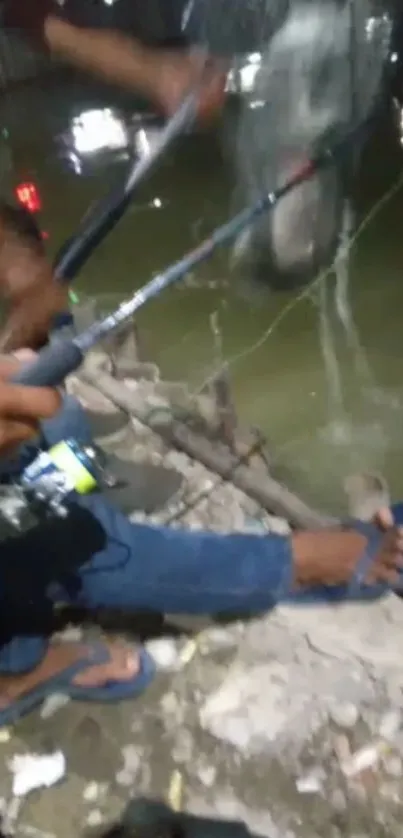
{"x":278,"y":375}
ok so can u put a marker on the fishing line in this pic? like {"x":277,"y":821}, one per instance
{"x":305,"y":292}
{"x":257,"y":448}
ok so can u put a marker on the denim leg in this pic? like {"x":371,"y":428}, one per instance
{"x":397,"y":511}
{"x":179,"y":571}
{"x":173,"y":570}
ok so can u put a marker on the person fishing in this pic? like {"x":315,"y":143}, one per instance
{"x":127,"y":566}
{"x":162,"y":76}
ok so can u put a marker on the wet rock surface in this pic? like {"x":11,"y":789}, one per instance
{"x":261,"y":721}
{"x":291,"y":722}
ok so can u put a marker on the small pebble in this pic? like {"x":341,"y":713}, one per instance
{"x":254,"y":525}
{"x":52,"y":704}
{"x":309,"y":784}
{"x":71,"y":634}
{"x":94,"y":818}
{"x":389,"y":725}
{"x":91,"y":792}
{"x":131,"y":758}
{"x":344,"y":715}
{"x":5,"y":735}
{"x":125,"y":778}
{"x":364,"y":759}
{"x":207,"y":775}
{"x":164,"y":652}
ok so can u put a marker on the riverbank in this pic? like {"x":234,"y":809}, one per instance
{"x":292,"y":722}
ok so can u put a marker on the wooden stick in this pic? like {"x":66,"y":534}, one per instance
{"x":269,"y":493}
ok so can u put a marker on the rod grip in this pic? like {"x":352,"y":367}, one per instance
{"x":51,"y":366}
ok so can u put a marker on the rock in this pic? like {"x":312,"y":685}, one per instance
{"x":52,"y":704}
{"x":165,"y":653}
{"x":344,"y":715}
{"x":310,"y":783}
{"x":250,"y":710}
{"x":390,"y":725}
{"x":207,"y":775}
{"x":125,"y":778}
{"x":91,"y":792}
{"x":95,"y":818}
{"x":131,"y":758}
{"x":71,"y":634}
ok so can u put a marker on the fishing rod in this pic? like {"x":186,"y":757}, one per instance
{"x":99,"y":222}
{"x":64,"y":355}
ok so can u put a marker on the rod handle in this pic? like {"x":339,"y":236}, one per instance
{"x":52,"y":365}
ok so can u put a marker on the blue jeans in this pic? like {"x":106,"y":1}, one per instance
{"x":99,"y":559}
{"x":132,"y":566}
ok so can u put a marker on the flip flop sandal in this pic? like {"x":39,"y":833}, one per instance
{"x":98,"y":653}
{"x":374,"y":537}
{"x":356,"y":589}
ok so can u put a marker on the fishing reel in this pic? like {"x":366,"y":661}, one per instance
{"x":43,"y":488}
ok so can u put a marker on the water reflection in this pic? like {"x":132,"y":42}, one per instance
{"x":103,"y":136}
{"x":98,"y":130}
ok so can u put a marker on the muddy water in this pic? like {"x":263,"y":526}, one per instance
{"x":280,"y":372}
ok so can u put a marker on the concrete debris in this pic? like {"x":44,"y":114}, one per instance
{"x":165,"y":653}
{"x":390,"y":725}
{"x":311,"y":783}
{"x":52,"y":704}
{"x":35,"y":771}
{"x":95,"y":818}
{"x":344,"y":715}
{"x":366,"y":758}
{"x":125,"y":778}
{"x":131,"y":758}
{"x":93,"y":791}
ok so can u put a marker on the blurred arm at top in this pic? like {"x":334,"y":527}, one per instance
{"x":161,"y":75}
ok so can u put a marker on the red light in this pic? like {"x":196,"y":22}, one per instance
{"x":28,"y":195}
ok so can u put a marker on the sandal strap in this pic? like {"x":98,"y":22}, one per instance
{"x":374,"y":538}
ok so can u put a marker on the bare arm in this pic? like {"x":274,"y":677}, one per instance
{"x":160,"y":75}
{"x":107,"y":54}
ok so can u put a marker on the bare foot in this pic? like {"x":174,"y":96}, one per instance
{"x":330,"y":557}
{"x":389,"y":560}
{"x":122,"y":666}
